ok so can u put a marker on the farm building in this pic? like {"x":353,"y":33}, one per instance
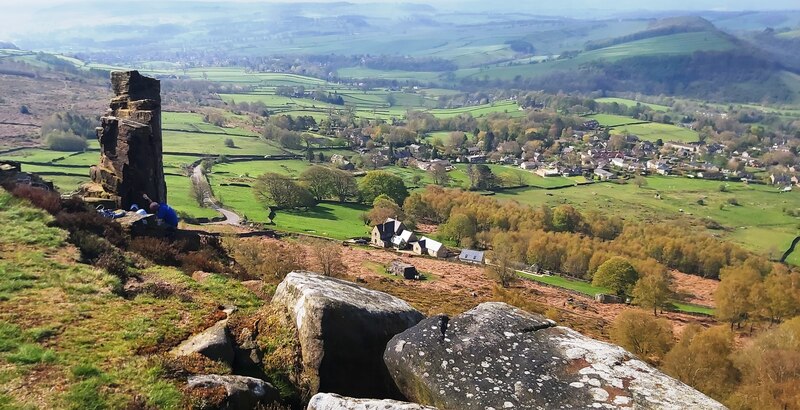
{"x":471,"y":256}
{"x":400,"y":268}
{"x":547,"y":172}
{"x":382,"y":234}
{"x":427,"y":246}
{"x":606,"y":299}
{"x":403,"y":239}
{"x":603,"y":174}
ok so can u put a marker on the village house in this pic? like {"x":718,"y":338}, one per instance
{"x":403,"y":239}
{"x":476,"y":159}
{"x":427,"y":246}
{"x":659,"y":167}
{"x":528,"y":165}
{"x":681,"y":149}
{"x":428,"y":165}
{"x":341,"y":162}
{"x":571,"y":171}
{"x":471,"y":256}
{"x":547,"y":172}
{"x":604,"y":175}
{"x":382,"y":234}
{"x":780,"y":179}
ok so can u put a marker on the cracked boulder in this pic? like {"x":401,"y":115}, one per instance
{"x":231,"y":392}
{"x":497,"y":356}
{"x":343,"y":329}
{"x":330,"y":401}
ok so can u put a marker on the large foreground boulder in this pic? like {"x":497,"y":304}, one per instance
{"x":343,"y":330}
{"x":231,"y":392}
{"x":497,"y":356}
{"x":329,"y":401}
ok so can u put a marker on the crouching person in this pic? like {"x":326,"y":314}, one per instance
{"x":165,"y":214}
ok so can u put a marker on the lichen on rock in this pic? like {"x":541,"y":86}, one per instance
{"x":497,"y":356}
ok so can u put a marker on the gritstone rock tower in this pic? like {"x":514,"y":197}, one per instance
{"x":130,"y":145}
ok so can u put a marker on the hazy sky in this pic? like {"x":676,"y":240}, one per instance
{"x":21,"y":17}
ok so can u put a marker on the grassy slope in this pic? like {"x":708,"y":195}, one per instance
{"x":68,"y":341}
{"x":683,"y":43}
{"x":648,"y":131}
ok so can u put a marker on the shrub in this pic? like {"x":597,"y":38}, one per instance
{"x":114,"y":262}
{"x":642,"y":334}
{"x":90,"y":245}
{"x":733,"y":201}
{"x":204,"y":260}
{"x":65,"y":141}
{"x":41,"y":198}
{"x":229,"y":143}
{"x":23,"y":109}
{"x":270,"y":261}
{"x":159,"y":251}
{"x":92,"y":222}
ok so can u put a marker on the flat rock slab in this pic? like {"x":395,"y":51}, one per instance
{"x":496,"y":356}
{"x":343,"y":330}
{"x":329,"y":401}
{"x":241,"y":392}
{"x":214,"y":343}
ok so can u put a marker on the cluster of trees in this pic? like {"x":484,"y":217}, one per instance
{"x":757,"y":291}
{"x":315,"y":184}
{"x":300,"y":91}
{"x":764,"y":374}
{"x":66,"y":131}
{"x":320,"y":183}
{"x":406,"y":63}
{"x":562,"y":239}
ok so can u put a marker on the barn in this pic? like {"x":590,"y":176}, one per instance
{"x":400,"y":268}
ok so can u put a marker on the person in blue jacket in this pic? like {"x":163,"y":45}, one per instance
{"x":163,"y":212}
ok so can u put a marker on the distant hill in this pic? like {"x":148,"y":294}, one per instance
{"x":8,"y":45}
{"x":678,"y":56}
{"x":663,"y":27}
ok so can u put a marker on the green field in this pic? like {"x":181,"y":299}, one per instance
{"x":647,"y":131}
{"x":212,"y":145}
{"x":653,"y":131}
{"x":758,"y":223}
{"x":179,"y":197}
{"x":632,"y":103}
{"x":611,"y":120}
{"x":588,"y":289}
{"x":339,"y":221}
{"x":561,"y":282}
{"x":253,"y":169}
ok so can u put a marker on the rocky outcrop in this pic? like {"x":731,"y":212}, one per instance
{"x":232,"y":392}
{"x":214,"y":343}
{"x":130,"y":145}
{"x":343,"y":330}
{"x":497,"y":356}
{"x":329,"y":401}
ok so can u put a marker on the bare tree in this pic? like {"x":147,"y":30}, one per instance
{"x":439,"y":174}
{"x":328,"y":255}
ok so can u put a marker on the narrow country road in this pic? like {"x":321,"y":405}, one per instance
{"x":201,"y":185}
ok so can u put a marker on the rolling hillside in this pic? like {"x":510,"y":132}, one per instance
{"x":701,"y":62}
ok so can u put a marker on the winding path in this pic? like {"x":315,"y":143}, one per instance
{"x":201,"y":184}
